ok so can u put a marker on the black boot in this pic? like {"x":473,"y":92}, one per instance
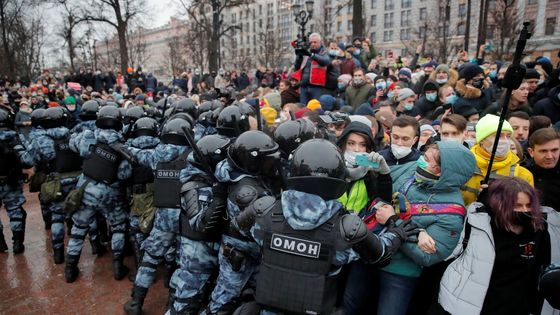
{"x":71,"y":271}
{"x":134,"y":306}
{"x":69,"y":225}
{"x":119,"y":269}
{"x":193,"y":305}
{"x":58,"y":255}
{"x":97,"y":248}
{"x":47,"y":218}
{"x":18,"y":242}
{"x":3,"y":245}
{"x":170,"y":268}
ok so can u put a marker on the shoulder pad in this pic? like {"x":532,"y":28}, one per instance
{"x":352,"y":228}
{"x":190,"y":185}
{"x":245,"y":195}
{"x":190,"y":202}
{"x":263,"y":205}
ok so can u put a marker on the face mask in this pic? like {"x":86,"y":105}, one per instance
{"x":358,"y":82}
{"x":71,"y":107}
{"x":478,"y":83}
{"x":389,"y":82}
{"x":525,"y":219}
{"x":400,"y":151}
{"x":451,"y":139}
{"x":408,"y":106}
{"x":391,"y":94}
{"x":431,"y":97}
{"x":421,"y":163}
{"x":502,"y":150}
{"x":422,"y":173}
{"x":341,"y":86}
{"x":333,"y":52}
{"x":470,"y":142}
{"x":356,"y":52}
{"x":404,"y":80}
{"x":380,"y":85}
{"x":441,"y":81}
{"x":451,"y":99}
{"x":493,"y":74}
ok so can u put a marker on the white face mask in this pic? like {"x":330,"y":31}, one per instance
{"x":400,"y":151}
{"x":451,"y":139}
{"x":502,"y":149}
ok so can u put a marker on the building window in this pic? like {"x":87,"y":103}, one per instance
{"x":550,"y":26}
{"x":423,"y":14}
{"x":388,"y":36}
{"x":422,"y":31}
{"x":349,"y":25}
{"x":373,"y":21}
{"x":530,"y":2}
{"x":405,"y":18}
{"x":339,"y":26}
{"x":461,"y":28}
{"x":462,"y":12}
{"x":373,"y":37}
{"x":374,"y":4}
{"x":389,"y":20}
{"x":350,"y":8}
{"x":406,"y":3}
{"x":490,"y":32}
{"x":389,"y":5}
{"x":443,"y":31}
{"x":233,"y":18}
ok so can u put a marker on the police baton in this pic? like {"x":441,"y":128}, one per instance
{"x":198,"y":154}
{"x":258,"y":116}
{"x":512,"y":81}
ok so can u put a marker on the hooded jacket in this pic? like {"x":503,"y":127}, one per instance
{"x":426,"y":107}
{"x":457,"y":166}
{"x":506,"y":166}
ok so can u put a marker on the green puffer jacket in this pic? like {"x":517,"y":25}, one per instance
{"x":458,"y":165}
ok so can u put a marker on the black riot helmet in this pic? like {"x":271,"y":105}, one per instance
{"x":205,"y":118}
{"x":145,"y":126}
{"x":173,"y":132}
{"x":55,"y":117}
{"x":132,"y":114}
{"x":245,"y":108}
{"x":109,"y":117}
{"x":231,"y":122}
{"x":6,"y":120}
{"x":317,"y":167}
{"x":186,"y":105}
{"x":290,"y":134}
{"x":37,"y":117}
{"x":208,"y":106}
{"x":89,"y":110}
{"x":549,"y":285}
{"x":213,"y":149}
{"x":254,"y":152}
{"x":108,"y":103}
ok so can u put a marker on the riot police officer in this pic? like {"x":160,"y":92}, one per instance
{"x":203,"y":204}
{"x":103,"y":170}
{"x":11,"y":182}
{"x":252,"y":160}
{"x":167,"y":160}
{"x":232,"y":122}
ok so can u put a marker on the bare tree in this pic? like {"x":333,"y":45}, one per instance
{"x":357,"y":19}
{"x":272,"y":48}
{"x":177,"y":55}
{"x":136,"y":44}
{"x":70,"y":21}
{"x":118,"y":14}
{"x":207,"y":15}
{"x":505,"y":20}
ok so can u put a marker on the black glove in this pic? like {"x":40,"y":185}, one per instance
{"x":124,"y":152}
{"x":219,"y":190}
{"x":404,"y":231}
{"x":303,"y":52}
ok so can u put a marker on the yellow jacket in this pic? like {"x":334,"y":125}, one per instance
{"x":506,"y":166}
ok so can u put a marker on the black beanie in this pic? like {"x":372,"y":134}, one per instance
{"x":532,"y":74}
{"x":469,"y":71}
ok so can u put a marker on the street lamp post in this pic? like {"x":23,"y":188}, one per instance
{"x":302,"y":16}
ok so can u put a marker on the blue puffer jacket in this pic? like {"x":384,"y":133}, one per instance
{"x":457,"y":165}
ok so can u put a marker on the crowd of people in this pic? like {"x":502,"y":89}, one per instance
{"x":348,"y":184}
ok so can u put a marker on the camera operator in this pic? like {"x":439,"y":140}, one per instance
{"x":312,"y":60}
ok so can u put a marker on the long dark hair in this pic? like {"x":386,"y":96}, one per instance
{"x":503,"y":194}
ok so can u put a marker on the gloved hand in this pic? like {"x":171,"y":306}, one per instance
{"x":404,"y":231}
{"x":124,"y":152}
{"x":383,"y":167}
{"x":219,"y":191}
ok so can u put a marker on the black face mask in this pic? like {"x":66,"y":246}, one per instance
{"x":478,"y":83}
{"x":524,"y":219}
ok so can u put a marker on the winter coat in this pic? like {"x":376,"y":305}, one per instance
{"x":451,"y":79}
{"x":357,"y":96}
{"x":547,"y":181}
{"x":507,"y":166}
{"x":151,"y":83}
{"x":289,"y":96}
{"x":471,"y":96}
{"x":549,"y":106}
{"x":465,"y":282}
{"x":457,"y":166}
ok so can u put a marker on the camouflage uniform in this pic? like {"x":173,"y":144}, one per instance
{"x":200,"y":131}
{"x":166,"y":221}
{"x":98,"y":196}
{"x":197,"y":259}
